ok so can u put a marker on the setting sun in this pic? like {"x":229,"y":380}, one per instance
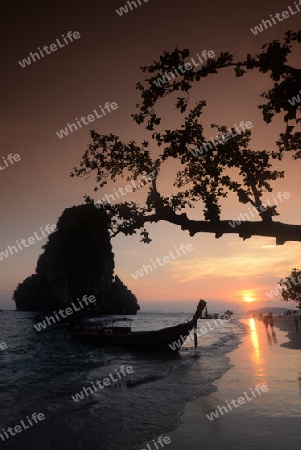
{"x":247,"y":296}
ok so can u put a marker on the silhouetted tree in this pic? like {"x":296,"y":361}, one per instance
{"x":292,"y":287}
{"x":206,"y":179}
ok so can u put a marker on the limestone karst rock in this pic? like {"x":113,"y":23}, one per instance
{"x":77,"y":261}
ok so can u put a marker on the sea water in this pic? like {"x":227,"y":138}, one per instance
{"x":41,"y":372}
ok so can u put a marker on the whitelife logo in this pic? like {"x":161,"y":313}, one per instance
{"x":295,"y":100}
{"x":166,"y":440}
{"x":146,"y":178}
{"x":11,"y":158}
{"x":284,"y":14}
{"x":202,"y":330}
{"x":36,"y":417}
{"x":3,"y":346}
{"x":68,"y":311}
{"x":241,"y":401}
{"x":222,"y":138}
{"x":183,"y":68}
{"x":124,"y":9}
{"x":165,"y":259}
{"x":278,"y":290}
{"x":123,"y":371}
{"x":90,"y":119}
{"x":262,"y":208}
{"x":53,"y":48}
{"x":31,"y":240}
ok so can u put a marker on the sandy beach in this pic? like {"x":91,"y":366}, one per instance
{"x":269,"y":419}
{"x":287,"y":324}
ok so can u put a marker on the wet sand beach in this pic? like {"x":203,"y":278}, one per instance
{"x":287,"y":324}
{"x":269,"y":420}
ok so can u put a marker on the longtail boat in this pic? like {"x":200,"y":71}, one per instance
{"x":106,"y":331}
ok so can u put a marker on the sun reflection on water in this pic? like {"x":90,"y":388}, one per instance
{"x":256,"y":355}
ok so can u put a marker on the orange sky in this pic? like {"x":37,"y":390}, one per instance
{"x":103,"y":65}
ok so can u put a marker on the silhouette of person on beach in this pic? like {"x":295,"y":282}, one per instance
{"x":271,"y":322}
{"x":266,"y":321}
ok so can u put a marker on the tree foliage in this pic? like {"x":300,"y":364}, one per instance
{"x":203,"y":182}
{"x":292,"y":287}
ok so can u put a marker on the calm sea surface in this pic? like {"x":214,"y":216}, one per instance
{"x":41,"y":371}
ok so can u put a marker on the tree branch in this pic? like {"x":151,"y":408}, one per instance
{"x":281,"y":231}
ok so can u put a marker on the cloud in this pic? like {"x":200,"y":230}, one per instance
{"x":246,"y":261}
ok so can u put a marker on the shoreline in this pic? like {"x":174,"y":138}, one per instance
{"x":270,"y":420}
{"x":287,"y":324}
{"x":243,"y":331}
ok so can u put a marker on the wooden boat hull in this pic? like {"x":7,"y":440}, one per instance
{"x":170,"y":339}
{"x":163,"y":339}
